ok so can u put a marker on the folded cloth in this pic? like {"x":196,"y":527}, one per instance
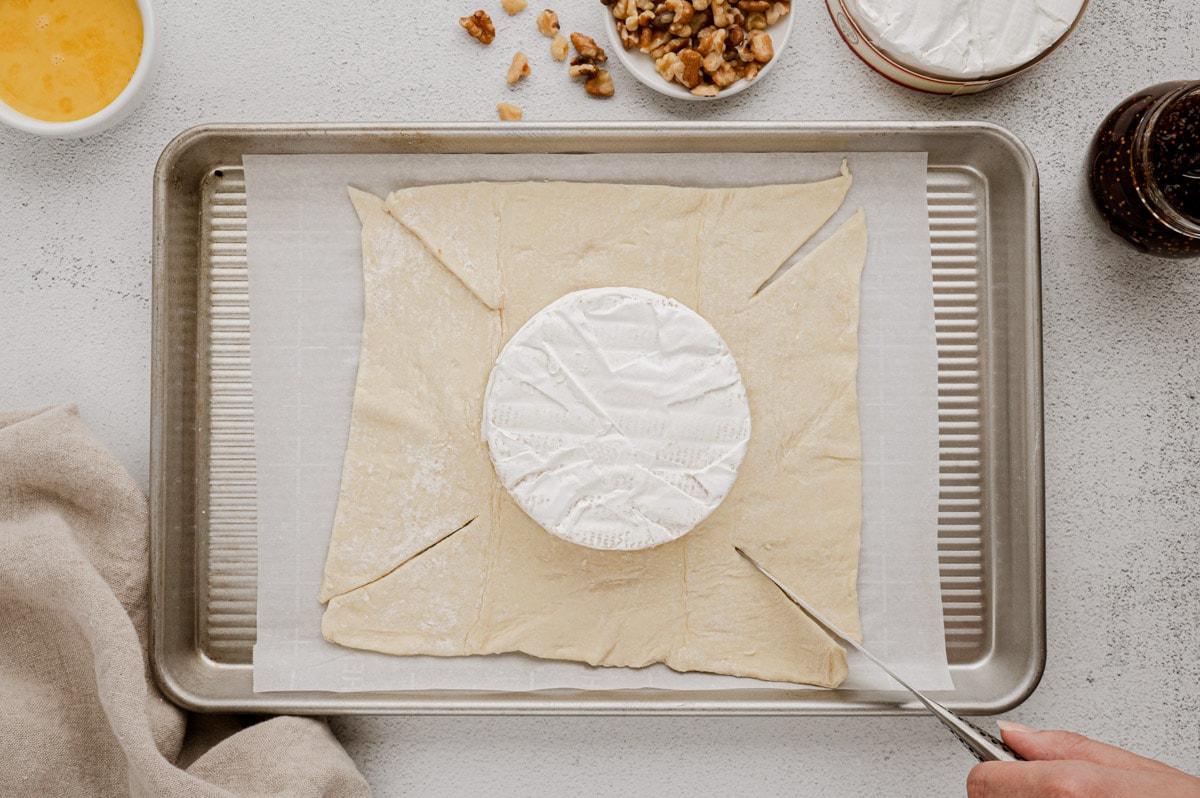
{"x":79,"y":712}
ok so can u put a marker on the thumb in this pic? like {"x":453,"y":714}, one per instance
{"x":1063,"y":745}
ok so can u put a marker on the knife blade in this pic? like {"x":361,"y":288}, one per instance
{"x":984,"y":746}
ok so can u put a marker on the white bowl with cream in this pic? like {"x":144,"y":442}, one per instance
{"x":115,"y":110}
{"x":641,"y":65}
{"x":954,"y":46}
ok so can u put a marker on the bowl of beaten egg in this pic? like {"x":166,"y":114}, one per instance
{"x":73,"y":68}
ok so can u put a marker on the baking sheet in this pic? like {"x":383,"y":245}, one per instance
{"x":306,"y":312}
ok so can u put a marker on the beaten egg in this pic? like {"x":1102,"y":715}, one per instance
{"x":62,"y":60}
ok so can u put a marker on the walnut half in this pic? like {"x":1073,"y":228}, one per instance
{"x":514,"y":6}
{"x":480,"y":26}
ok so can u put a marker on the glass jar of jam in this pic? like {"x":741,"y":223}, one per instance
{"x":1144,"y":170}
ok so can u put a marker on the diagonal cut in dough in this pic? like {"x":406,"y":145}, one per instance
{"x":414,"y":468}
{"x":438,"y":309}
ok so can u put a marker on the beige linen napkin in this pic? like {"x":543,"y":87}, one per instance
{"x":79,"y":713}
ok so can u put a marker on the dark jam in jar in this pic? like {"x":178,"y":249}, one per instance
{"x":1144,"y":170}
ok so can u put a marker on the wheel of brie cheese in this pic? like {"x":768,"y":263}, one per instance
{"x":616,"y":418}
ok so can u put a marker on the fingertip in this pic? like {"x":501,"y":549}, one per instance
{"x":1047,"y":745}
{"x":1062,"y":744}
{"x":985,"y":779}
{"x":1007,"y":726}
{"x":1021,"y":738}
{"x":975,"y":782}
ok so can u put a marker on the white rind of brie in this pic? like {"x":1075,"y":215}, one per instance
{"x":966,"y":39}
{"x":616,"y":418}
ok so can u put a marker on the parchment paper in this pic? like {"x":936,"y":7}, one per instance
{"x":306,"y":320}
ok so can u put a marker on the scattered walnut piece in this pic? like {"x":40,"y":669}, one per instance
{"x":600,"y":84}
{"x":587,"y":48}
{"x":558,"y":47}
{"x":587,"y":64}
{"x":703,"y":45}
{"x":480,"y":26}
{"x":519,"y":68}
{"x":582,"y":67}
{"x":547,"y":23}
{"x":514,"y":6}
{"x":509,"y":112}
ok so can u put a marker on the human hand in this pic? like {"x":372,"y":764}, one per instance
{"x":1067,"y":765}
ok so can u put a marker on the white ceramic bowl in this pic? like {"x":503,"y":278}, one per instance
{"x":114,"y":112}
{"x":641,"y":65}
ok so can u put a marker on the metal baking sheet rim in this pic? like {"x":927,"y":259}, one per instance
{"x":193,"y":680}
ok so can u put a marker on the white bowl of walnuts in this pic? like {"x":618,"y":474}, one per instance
{"x":698,"y":49}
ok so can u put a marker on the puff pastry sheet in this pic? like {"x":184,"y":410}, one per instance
{"x":429,"y":555}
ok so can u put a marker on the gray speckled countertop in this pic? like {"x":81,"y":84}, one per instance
{"x":1122,"y":336}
